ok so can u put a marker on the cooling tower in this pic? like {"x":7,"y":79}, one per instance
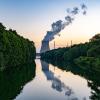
{"x":44,"y":46}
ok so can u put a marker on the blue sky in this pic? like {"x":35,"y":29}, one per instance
{"x":32,"y":18}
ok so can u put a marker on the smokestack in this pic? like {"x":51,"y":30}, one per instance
{"x":71,"y":43}
{"x":54,"y":44}
{"x":45,"y":46}
{"x":67,"y":44}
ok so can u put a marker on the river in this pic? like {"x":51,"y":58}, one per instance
{"x":52,"y":83}
{"x":46,"y":82}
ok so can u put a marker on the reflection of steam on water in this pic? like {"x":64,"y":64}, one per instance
{"x":60,"y":86}
{"x":57,"y":84}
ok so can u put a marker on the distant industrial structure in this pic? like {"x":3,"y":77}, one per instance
{"x":44,"y":46}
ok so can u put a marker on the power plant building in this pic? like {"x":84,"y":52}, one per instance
{"x":45,"y":46}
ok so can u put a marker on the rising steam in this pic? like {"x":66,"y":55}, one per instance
{"x":60,"y":25}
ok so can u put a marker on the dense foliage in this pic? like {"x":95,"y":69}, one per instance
{"x":14,"y":49}
{"x":84,"y":53}
{"x":56,"y":54}
{"x":13,"y":79}
{"x":88,"y":63}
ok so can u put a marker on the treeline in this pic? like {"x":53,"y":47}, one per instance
{"x":85,"y":55}
{"x":14,"y":49}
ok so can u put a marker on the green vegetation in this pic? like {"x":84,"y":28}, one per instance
{"x":86,"y":56}
{"x":88,"y":63}
{"x":92,"y":59}
{"x":14,"y":49}
{"x":13,"y":79}
{"x":56,"y":54}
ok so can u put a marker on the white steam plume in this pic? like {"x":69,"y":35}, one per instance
{"x":60,"y":25}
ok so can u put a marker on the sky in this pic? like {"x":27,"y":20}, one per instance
{"x":33,"y":18}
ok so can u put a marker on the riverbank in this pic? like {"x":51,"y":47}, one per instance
{"x":86,"y":56}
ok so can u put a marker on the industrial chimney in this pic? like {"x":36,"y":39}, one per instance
{"x":45,"y":46}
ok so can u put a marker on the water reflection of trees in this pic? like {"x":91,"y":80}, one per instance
{"x":12,"y":80}
{"x":93,"y":78}
{"x":57,"y":84}
{"x":95,"y":90}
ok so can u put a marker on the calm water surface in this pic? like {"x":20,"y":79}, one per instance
{"x":52,"y":83}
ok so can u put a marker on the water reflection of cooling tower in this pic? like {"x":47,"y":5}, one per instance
{"x":45,"y":46}
{"x":45,"y":68}
{"x":57,"y":84}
